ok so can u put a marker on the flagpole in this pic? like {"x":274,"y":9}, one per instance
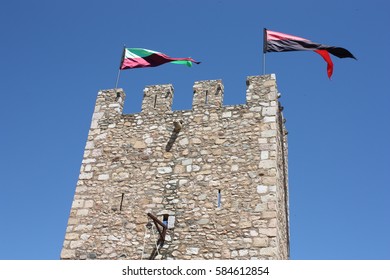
{"x":264,"y":48}
{"x":263,"y":63}
{"x":117,"y":79}
{"x":119,"y":71}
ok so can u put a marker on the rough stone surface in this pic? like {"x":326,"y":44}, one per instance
{"x":216,"y":174}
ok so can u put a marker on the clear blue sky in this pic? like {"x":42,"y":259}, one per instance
{"x":56,"y":56}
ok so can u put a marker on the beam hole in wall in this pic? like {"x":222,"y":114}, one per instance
{"x":165,"y":219}
{"x":168,"y":220}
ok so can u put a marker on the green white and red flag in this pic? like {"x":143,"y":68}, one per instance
{"x":280,"y":42}
{"x":140,"y":58}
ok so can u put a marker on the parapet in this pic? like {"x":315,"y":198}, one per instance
{"x":109,"y":105}
{"x":157,"y":98}
{"x":208,"y":94}
{"x":261,"y":89}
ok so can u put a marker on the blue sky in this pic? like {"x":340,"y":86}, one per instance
{"x":56,"y":55}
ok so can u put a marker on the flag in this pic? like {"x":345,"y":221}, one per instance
{"x":280,"y":42}
{"x":139,"y":58}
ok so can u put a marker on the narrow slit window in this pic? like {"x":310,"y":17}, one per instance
{"x":219,"y":199}
{"x":118,"y":95}
{"x":155,"y":101}
{"x":121,"y":205}
{"x":207,"y":97}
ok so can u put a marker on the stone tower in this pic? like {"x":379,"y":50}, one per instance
{"x":205,"y":183}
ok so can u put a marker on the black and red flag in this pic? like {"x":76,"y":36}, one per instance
{"x":280,"y":42}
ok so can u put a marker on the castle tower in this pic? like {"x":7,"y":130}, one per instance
{"x":205,"y":183}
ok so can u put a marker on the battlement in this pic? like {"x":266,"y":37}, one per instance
{"x":158,"y":99}
{"x":215,"y":175}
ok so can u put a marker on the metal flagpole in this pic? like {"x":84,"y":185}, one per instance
{"x":119,"y":71}
{"x":117,"y":78}
{"x":264,"y":48}
{"x":263,"y":63}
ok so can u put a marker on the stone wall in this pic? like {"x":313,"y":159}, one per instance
{"x":217,"y":175}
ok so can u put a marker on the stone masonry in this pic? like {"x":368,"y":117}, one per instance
{"x":216,"y":175}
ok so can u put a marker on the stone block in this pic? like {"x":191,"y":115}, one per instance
{"x":195,"y":168}
{"x":268,"y":180}
{"x":192,"y":251}
{"x":89,"y":145}
{"x":271,"y":232}
{"x":76,"y":244}
{"x":267,"y":147}
{"x":268,"y":133}
{"x":103,"y":177}
{"x":226,"y":114}
{"x":187,"y":162}
{"x":203,"y":221}
{"x":269,"y":111}
{"x":262,"y":189}
{"x":264,"y":155}
{"x":73,"y":221}
{"x":219,"y":141}
{"x":139,"y":145}
{"x":267,"y":251}
{"x":261,"y":207}
{"x":269,"y":119}
{"x":164,"y":170}
{"x":195,"y":141}
{"x":184,"y":142}
{"x":78,"y":203}
{"x":68,"y":254}
{"x":82,"y":212}
{"x":96,"y":152}
{"x":86,"y":175}
{"x":267,"y":164}
{"x":234,"y":168}
{"x":72,"y":236}
{"x":268,"y":214}
{"x":243,"y":252}
{"x":245,"y":224}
